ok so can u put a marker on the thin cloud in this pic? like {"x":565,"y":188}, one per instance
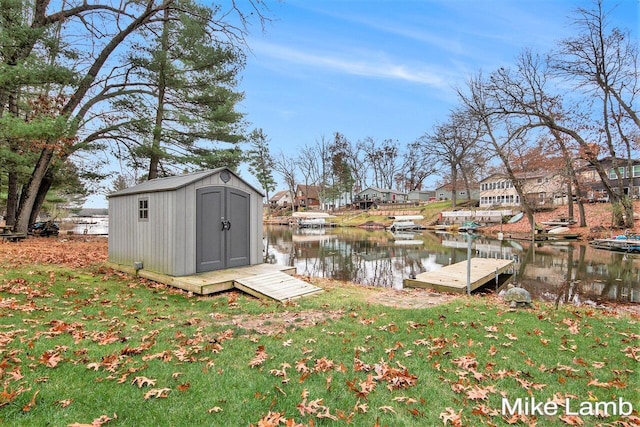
{"x":375,"y":68}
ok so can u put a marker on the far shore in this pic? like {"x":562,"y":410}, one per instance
{"x":598,"y":219}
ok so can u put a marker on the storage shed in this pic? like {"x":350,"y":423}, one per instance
{"x":187,"y":224}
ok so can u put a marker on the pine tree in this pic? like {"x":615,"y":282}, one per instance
{"x":185,"y":105}
{"x":261,"y":162}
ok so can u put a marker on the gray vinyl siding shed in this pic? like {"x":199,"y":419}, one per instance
{"x":160,"y":223}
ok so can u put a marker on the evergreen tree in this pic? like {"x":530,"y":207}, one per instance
{"x":184,"y":104}
{"x":261,"y":162}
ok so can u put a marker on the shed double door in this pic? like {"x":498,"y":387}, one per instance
{"x":222,"y":228}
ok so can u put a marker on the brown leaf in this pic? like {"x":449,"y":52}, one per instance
{"x":324,"y":365}
{"x":64,"y":403}
{"x":492,"y":350}
{"x":50,"y":358}
{"x":449,"y":415}
{"x":573,"y":326}
{"x":260,"y":358}
{"x":143,"y":382}
{"x":96,"y":422}
{"x":484,"y":410}
{"x":32,"y":402}
{"x":157,"y":393}
{"x":572,"y":420}
{"x":480,"y":393}
{"x":466,"y":362}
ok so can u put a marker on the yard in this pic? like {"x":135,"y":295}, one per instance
{"x":83,"y":345}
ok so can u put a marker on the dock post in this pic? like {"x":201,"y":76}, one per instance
{"x":469,"y":232}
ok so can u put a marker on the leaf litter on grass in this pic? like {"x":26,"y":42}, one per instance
{"x":364,"y":364}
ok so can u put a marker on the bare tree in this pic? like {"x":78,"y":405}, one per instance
{"x":418,"y":164}
{"x":502,"y":134}
{"x":383,"y":161}
{"x":313,"y":164}
{"x":355,"y":159}
{"x":286,"y":167}
{"x":523,"y":94}
{"x":603,"y":61}
{"x":454,"y":145}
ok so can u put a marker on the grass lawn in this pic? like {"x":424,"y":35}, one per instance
{"x":90,"y":346}
{"x":430,"y":212}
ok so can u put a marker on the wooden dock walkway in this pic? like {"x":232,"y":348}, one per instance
{"x":453,"y":278}
{"x":266,"y":281}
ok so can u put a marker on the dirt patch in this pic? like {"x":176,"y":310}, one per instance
{"x":279,"y":323}
{"x":410,"y":298}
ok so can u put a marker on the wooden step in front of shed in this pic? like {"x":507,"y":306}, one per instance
{"x":260,"y":280}
{"x":275,"y":285}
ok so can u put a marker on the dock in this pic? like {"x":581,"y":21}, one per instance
{"x":265,"y":281}
{"x":453,"y":278}
{"x":619,"y":244}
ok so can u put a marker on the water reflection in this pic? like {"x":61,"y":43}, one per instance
{"x":560,"y":272}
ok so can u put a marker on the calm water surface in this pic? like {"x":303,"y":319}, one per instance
{"x":562,"y":272}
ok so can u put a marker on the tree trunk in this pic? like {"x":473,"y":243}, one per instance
{"x":569,"y":198}
{"x":47,"y":181}
{"x":454,"y":179}
{"x":30,"y":191}
{"x":12,"y":198}
{"x":162,"y":86}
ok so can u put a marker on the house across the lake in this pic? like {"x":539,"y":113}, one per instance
{"x":375,"y":196}
{"x":281,"y":199}
{"x":593,"y":188}
{"x":541,"y":188}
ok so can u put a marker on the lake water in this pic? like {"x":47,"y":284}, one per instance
{"x":562,"y":271}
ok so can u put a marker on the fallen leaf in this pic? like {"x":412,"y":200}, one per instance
{"x":260,"y":357}
{"x":451,"y":416}
{"x":157,"y":393}
{"x":96,"y":422}
{"x":64,"y":403}
{"x":143,"y":382}
{"x":572,"y":420}
{"x":50,"y":358}
{"x":32,"y":402}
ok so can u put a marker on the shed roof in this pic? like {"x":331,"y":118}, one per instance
{"x":173,"y":183}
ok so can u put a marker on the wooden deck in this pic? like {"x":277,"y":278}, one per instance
{"x":277,"y":285}
{"x":453,"y":278}
{"x":261,"y":280}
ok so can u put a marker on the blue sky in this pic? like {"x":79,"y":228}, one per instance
{"x":387,"y":69}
